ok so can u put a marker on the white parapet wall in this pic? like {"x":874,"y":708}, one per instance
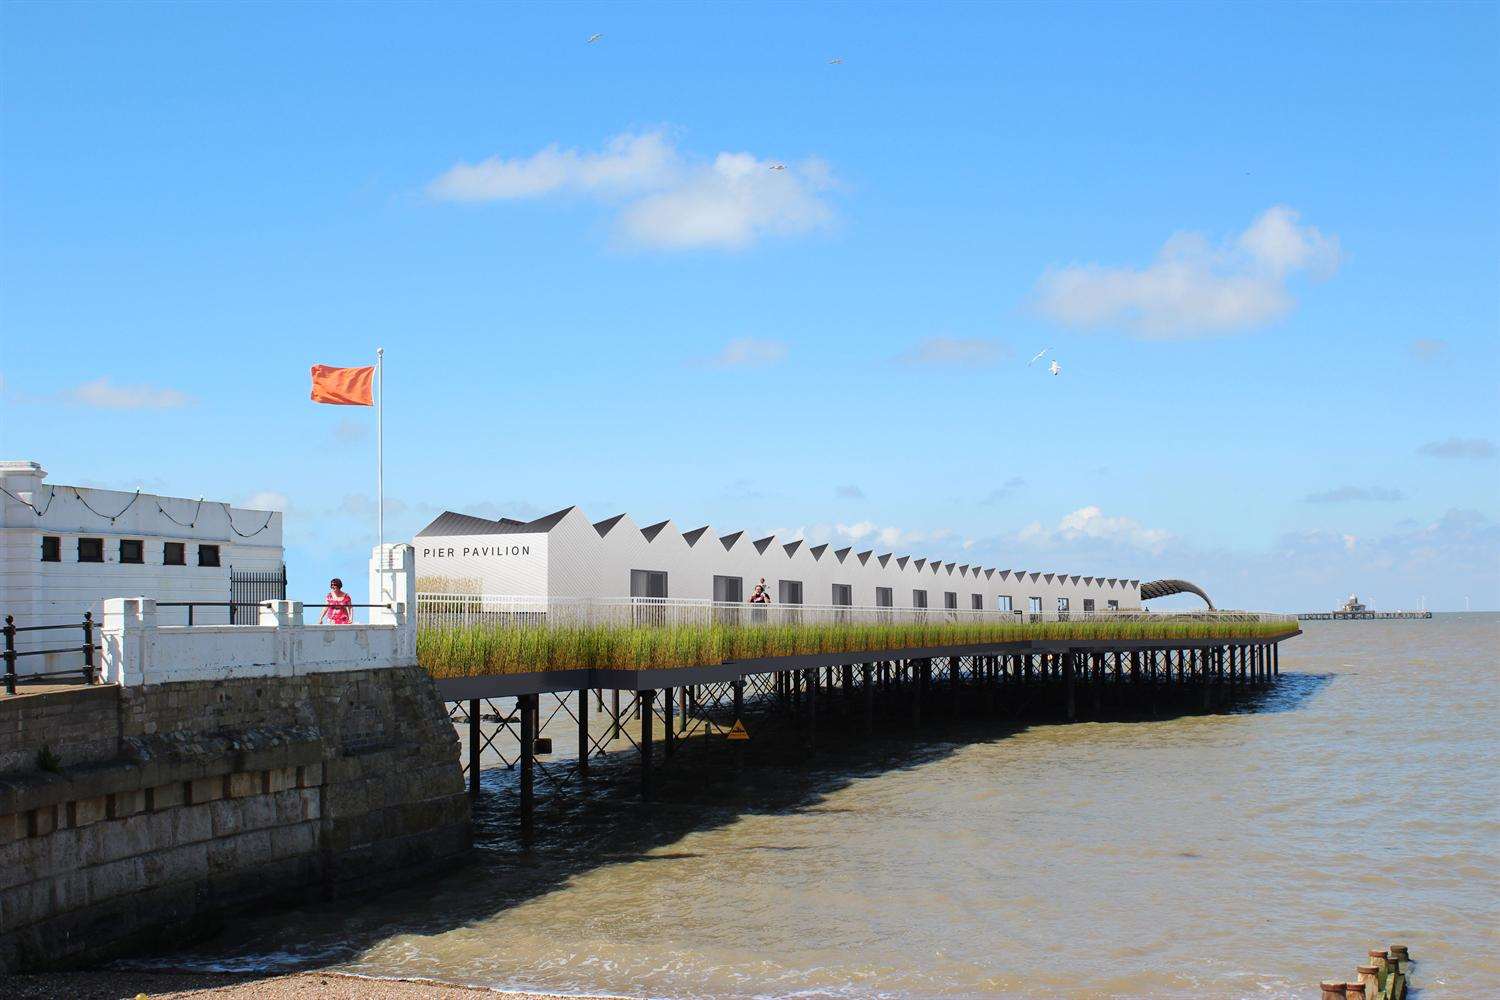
{"x":137,"y":651}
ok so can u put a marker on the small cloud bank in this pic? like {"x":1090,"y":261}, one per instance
{"x":955,"y":352}
{"x":664,"y":199}
{"x":103,"y":394}
{"x":1426,"y":349}
{"x":1351,"y":494}
{"x":1194,"y":287}
{"x":747,"y":352}
{"x":1006,"y":491}
{"x":1456,"y":447}
{"x":1091,"y":524}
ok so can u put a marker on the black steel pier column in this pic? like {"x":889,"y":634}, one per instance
{"x":528,"y":767}
{"x":474,"y":744}
{"x":646,"y":699}
{"x":867,"y":679}
{"x":739,"y":714}
{"x":1067,"y":667}
{"x":812,"y":708}
{"x":669,"y":741}
{"x":1097,"y":683}
{"x":955,"y":672}
{"x":583,"y":732}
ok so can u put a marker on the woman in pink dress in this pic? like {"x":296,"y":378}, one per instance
{"x":336,"y":611}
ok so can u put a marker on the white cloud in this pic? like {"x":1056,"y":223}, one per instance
{"x":1005,"y":491}
{"x":266,"y":500}
{"x":105,"y":395}
{"x":349,"y":431}
{"x":666,"y":199}
{"x":628,"y":164}
{"x":1090,"y":524}
{"x":1194,"y":287}
{"x":1346,"y":494}
{"x":956,"y":351}
{"x":1428,"y":348}
{"x":1456,"y":447}
{"x":748,"y":352}
{"x":889,"y":536}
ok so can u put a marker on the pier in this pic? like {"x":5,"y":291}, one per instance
{"x":1339,"y":616}
{"x":549,"y":723}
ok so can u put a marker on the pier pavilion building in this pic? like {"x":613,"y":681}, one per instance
{"x":564,"y":554}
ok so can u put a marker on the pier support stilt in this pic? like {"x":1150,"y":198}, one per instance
{"x":528,"y":768}
{"x":812,"y":709}
{"x":668,"y":738}
{"x":475,"y":741}
{"x":583,"y":732}
{"x":1097,"y":683}
{"x":739,"y":714}
{"x":1071,"y":709}
{"x":955,"y":673}
{"x":867,"y":680}
{"x":646,"y":700}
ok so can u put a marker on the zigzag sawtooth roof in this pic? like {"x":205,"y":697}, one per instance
{"x":453,"y":523}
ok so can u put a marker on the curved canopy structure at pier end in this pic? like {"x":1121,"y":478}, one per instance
{"x":1166,"y":588}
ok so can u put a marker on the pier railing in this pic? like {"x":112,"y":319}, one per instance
{"x":442,"y":611}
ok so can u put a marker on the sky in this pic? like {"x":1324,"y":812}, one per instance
{"x":781,"y":268}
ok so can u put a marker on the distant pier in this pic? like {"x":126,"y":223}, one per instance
{"x":1325,"y":616}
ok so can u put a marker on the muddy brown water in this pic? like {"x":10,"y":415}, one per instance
{"x":1239,"y":855}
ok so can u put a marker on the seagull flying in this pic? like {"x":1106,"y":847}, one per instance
{"x":778,"y":166}
{"x":1055,"y":368}
{"x":1038,"y":356}
{"x":836,"y":61}
{"x":594,"y":38}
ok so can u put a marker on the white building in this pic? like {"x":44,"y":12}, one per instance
{"x":65,"y":549}
{"x":564,"y":555}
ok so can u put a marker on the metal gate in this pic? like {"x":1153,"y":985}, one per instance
{"x":247,"y":589}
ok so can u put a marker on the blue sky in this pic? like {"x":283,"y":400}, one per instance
{"x":1261,"y":242}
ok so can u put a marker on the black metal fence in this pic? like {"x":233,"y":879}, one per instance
{"x":88,"y":671}
{"x":251,"y":589}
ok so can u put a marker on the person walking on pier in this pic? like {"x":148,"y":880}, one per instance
{"x":336,"y":608}
{"x":759,"y":597}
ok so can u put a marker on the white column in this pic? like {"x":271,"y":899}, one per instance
{"x":129,"y":637}
{"x":286,"y":617}
{"x":393,"y":570}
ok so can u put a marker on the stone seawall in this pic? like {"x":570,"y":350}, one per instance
{"x":156,"y":811}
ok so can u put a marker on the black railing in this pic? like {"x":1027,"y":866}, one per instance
{"x":324,"y":606}
{"x":233,"y":607}
{"x":12,"y":678}
{"x":239,"y":618}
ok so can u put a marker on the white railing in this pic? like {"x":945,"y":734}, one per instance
{"x":510,"y":611}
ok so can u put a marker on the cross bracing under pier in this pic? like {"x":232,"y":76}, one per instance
{"x":549,"y":724}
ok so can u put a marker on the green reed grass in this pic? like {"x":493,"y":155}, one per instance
{"x":478,"y":649}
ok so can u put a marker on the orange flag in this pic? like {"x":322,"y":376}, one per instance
{"x":343,"y":386}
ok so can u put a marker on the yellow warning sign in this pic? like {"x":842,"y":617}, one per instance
{"x":738,"y":732}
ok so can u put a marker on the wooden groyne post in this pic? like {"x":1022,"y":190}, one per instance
{"x":1385,"y":976}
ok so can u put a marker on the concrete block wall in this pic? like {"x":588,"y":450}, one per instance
{"x":136,"y":650}
{"x":218,"y":795}
{"x":78,"y":727}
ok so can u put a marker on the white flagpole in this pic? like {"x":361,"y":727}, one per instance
{"x":380,"y":471}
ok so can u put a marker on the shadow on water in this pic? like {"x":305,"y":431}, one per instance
{"x":582,"y":829}
{"x":1287,"y":695}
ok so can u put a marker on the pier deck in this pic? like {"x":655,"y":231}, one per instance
{"x":651,"y":709}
